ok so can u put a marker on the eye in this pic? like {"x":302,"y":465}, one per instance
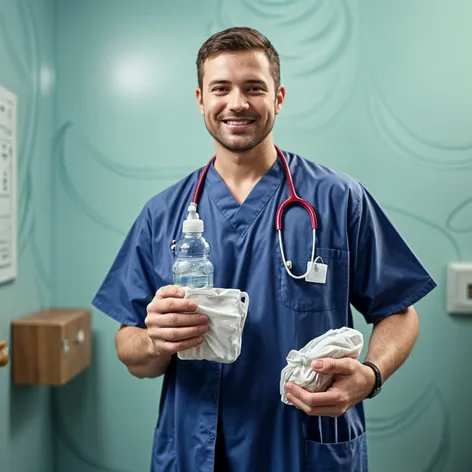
{"x":255,"y":88}
{"x":219,"y":89}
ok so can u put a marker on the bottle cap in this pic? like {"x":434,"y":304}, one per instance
{"x":193,"y":223}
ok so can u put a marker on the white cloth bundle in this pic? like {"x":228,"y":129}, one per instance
{"x":335,"y":343}
{"x":226,"y":310}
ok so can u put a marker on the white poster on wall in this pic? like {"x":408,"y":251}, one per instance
{"x":8,"y":192}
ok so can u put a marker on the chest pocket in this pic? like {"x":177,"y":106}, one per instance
{"x":303,"y":296}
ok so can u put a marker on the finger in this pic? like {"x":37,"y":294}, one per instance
{"x":332,"y":411}
{"x":172,"y":305}
{"x":331,"y":397}
{"x":170,"y":291}
{"x":172,"y":348}
{"x":299,"y":404}
{"x":178,"y":334}
{"x":176,"y":320}
{"x":343,"y":366}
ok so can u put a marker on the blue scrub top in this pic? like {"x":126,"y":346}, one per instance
{"x":369,"y":266}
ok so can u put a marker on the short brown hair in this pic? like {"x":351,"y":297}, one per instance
{"x":238,"y":39}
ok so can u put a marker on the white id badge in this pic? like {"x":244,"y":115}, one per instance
{"x":317,"y":274}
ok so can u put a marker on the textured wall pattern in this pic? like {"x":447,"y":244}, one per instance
{"x":317,"y":42}
{"x":27,"y":69}
{"x":36,"y":80}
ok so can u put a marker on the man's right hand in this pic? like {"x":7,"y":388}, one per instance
{"x":172,"y":323}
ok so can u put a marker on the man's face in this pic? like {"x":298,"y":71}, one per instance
{"x":238,"y":99}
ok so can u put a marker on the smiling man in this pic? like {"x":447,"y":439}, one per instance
{"x":236,"y":123}
{"x":230,"y":417}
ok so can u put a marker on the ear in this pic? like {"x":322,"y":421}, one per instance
{"x":279,"y":99}
{"x":199,"y":95}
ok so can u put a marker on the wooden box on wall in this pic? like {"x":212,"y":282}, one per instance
{"x":51,"y":347}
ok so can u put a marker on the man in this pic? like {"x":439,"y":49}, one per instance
{"x":230,"y":417}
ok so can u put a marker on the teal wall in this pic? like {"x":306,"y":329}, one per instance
{"x":27,"y":68}
{"x":376,"y":88}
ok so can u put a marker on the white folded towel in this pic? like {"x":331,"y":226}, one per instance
{"x":226,"y":310}
{"x":335,"y":343}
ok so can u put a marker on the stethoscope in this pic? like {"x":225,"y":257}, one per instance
{"x":293,"y":199}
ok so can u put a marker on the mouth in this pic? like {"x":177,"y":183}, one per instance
{"x":238,"y":124}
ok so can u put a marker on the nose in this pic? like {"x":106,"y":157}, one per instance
{"x":237,"y":101}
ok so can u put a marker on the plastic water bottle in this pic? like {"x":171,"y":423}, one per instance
{"x":192,"y":266}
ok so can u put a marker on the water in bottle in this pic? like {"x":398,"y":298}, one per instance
{"x":192,"y":266}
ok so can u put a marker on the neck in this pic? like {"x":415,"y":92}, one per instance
{"x":245,"y":166}
{"x":241,"y":171}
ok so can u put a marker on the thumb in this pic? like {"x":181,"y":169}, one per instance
{"x":333,"y":366}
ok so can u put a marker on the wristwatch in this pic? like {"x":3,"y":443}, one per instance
{"x":378,"y":379}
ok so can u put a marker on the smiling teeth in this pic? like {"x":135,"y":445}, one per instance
{"x":246,"y":122}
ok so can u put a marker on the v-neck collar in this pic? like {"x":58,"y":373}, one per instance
{"x":242,"y":216}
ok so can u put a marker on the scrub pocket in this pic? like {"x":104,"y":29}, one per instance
{"x":349,"y":456}
{"x":303,"y":296}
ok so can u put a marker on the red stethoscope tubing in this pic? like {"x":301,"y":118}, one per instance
{"x":293,"y":199}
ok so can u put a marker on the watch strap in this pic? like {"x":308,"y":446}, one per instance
{"x":378,"y":379}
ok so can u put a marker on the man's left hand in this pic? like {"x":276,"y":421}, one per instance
{"x":352,"y":382}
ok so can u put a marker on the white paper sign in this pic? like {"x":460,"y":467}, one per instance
{"x":8,"y":192}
